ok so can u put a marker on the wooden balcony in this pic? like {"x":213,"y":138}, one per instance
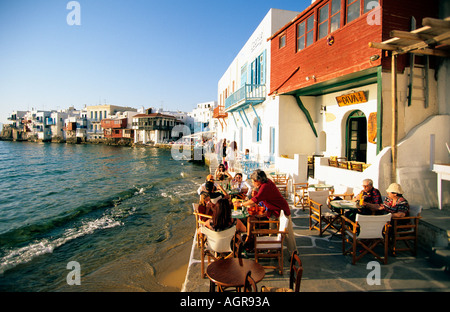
{"x":219,"y":112}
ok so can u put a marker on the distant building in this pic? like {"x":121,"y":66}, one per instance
{"x":119,"y":127}
{"x":202,"y":115}
{"x":153,"y":127}
{"x":96,"y":113}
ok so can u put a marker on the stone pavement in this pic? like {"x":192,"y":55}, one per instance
{"x":327,"y":270}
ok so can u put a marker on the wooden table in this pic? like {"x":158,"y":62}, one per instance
{"x":232,"y":272}
{"x":321,"y":186}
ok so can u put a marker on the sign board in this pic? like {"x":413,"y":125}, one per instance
{"x":350,"y":99}
{"x":372,"y":128}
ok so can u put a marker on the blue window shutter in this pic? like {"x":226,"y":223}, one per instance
{"x":262,"y":66}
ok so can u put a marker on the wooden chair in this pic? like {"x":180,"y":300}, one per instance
{"x":269,"y":242}
{"x":373,"y":230}
{"x":406,"y":230}
{"x":301,"y":194}
{"x":343,"y":164}
{"x":281,"y":181}
{"x":250,"y":284}
{"x":321,"y":217}
{"x":332,"y":162}
{"x":356,"y":166}
{"x":200,"y":220}
{"x":216,"y":245}
{"x":295,"y":277}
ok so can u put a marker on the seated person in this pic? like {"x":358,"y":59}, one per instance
{"x":221,"y":219}
{"x":205,"y":206}
{"x":372,"y":200}
{"x":244,"y":188}
{"x":202,"y":187}
{"x":371,"y":195}
{"x":211,"y":189}
{"x":395,"y":203}
{"x":222,"y":174}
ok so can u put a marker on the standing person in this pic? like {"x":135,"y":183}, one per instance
{"x":224,"y":152}
{"x":231,"y":155}
{"x":267,"y":192}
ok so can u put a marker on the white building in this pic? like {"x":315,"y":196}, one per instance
{"x":245,"y":113}
{"x":202,"y":115}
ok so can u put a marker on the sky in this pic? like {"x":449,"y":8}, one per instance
{"x":135,"y":53}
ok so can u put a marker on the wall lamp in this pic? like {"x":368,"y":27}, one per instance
{"x":374,"y":57}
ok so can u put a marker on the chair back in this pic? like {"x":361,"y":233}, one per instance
{"x":296,"y":272}
{"x":219,"y":241}
{"x":283,"y":225}
{"x":371,"y":227}
{"x":321,"y":197}
{"x":250,"y":284}
{"x":415,"y":210}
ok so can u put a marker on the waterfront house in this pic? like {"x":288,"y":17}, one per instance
{"x":75,"y":126}
{"x":96,"y":113}
{"x":245,"y":114}
{"x":118,"y":127}
{"x":202,"y":115}
{"x":335,"y":92}
{"x":153,"y":127}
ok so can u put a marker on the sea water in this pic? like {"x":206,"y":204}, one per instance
{"x":113,"y":210}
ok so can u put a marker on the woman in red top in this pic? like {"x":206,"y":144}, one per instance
{"x":272,"y":199}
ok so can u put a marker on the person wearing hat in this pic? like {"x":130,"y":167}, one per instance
{"x":395,"y":203}
{"x":202,"y":187}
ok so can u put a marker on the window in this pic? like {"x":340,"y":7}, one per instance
{"x":310,"y":30}
{"x":353,"y":10}
{"x":257,"y":131}
{"x":370,"y":4}
{"x":335,"y":15}
{"x":323,"y":21}
{"x":282,"y":42}
{"x":301,"y":36}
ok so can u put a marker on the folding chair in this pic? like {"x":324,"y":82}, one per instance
{"x":373,"y":230}
{"x":281,"y":181}
{"x":216,"y":245}
{"x":301,"y":194}
{"x":200,"y":220}
{"x":321,"y":217}
{"x":295,"y":276}
{"x":405,"y":230}
{"x":250,"y":284}
{"x":269,"y":242}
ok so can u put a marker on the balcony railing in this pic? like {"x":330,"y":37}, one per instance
{"x":247,"y":94}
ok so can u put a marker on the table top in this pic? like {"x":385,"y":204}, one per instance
{"x":345,"y":204}
{"x":238,"y":214}
{"x":232,"y":272}
{"x":317,"y":186}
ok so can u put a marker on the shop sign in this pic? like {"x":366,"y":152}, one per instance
{"x":352,"y":98}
